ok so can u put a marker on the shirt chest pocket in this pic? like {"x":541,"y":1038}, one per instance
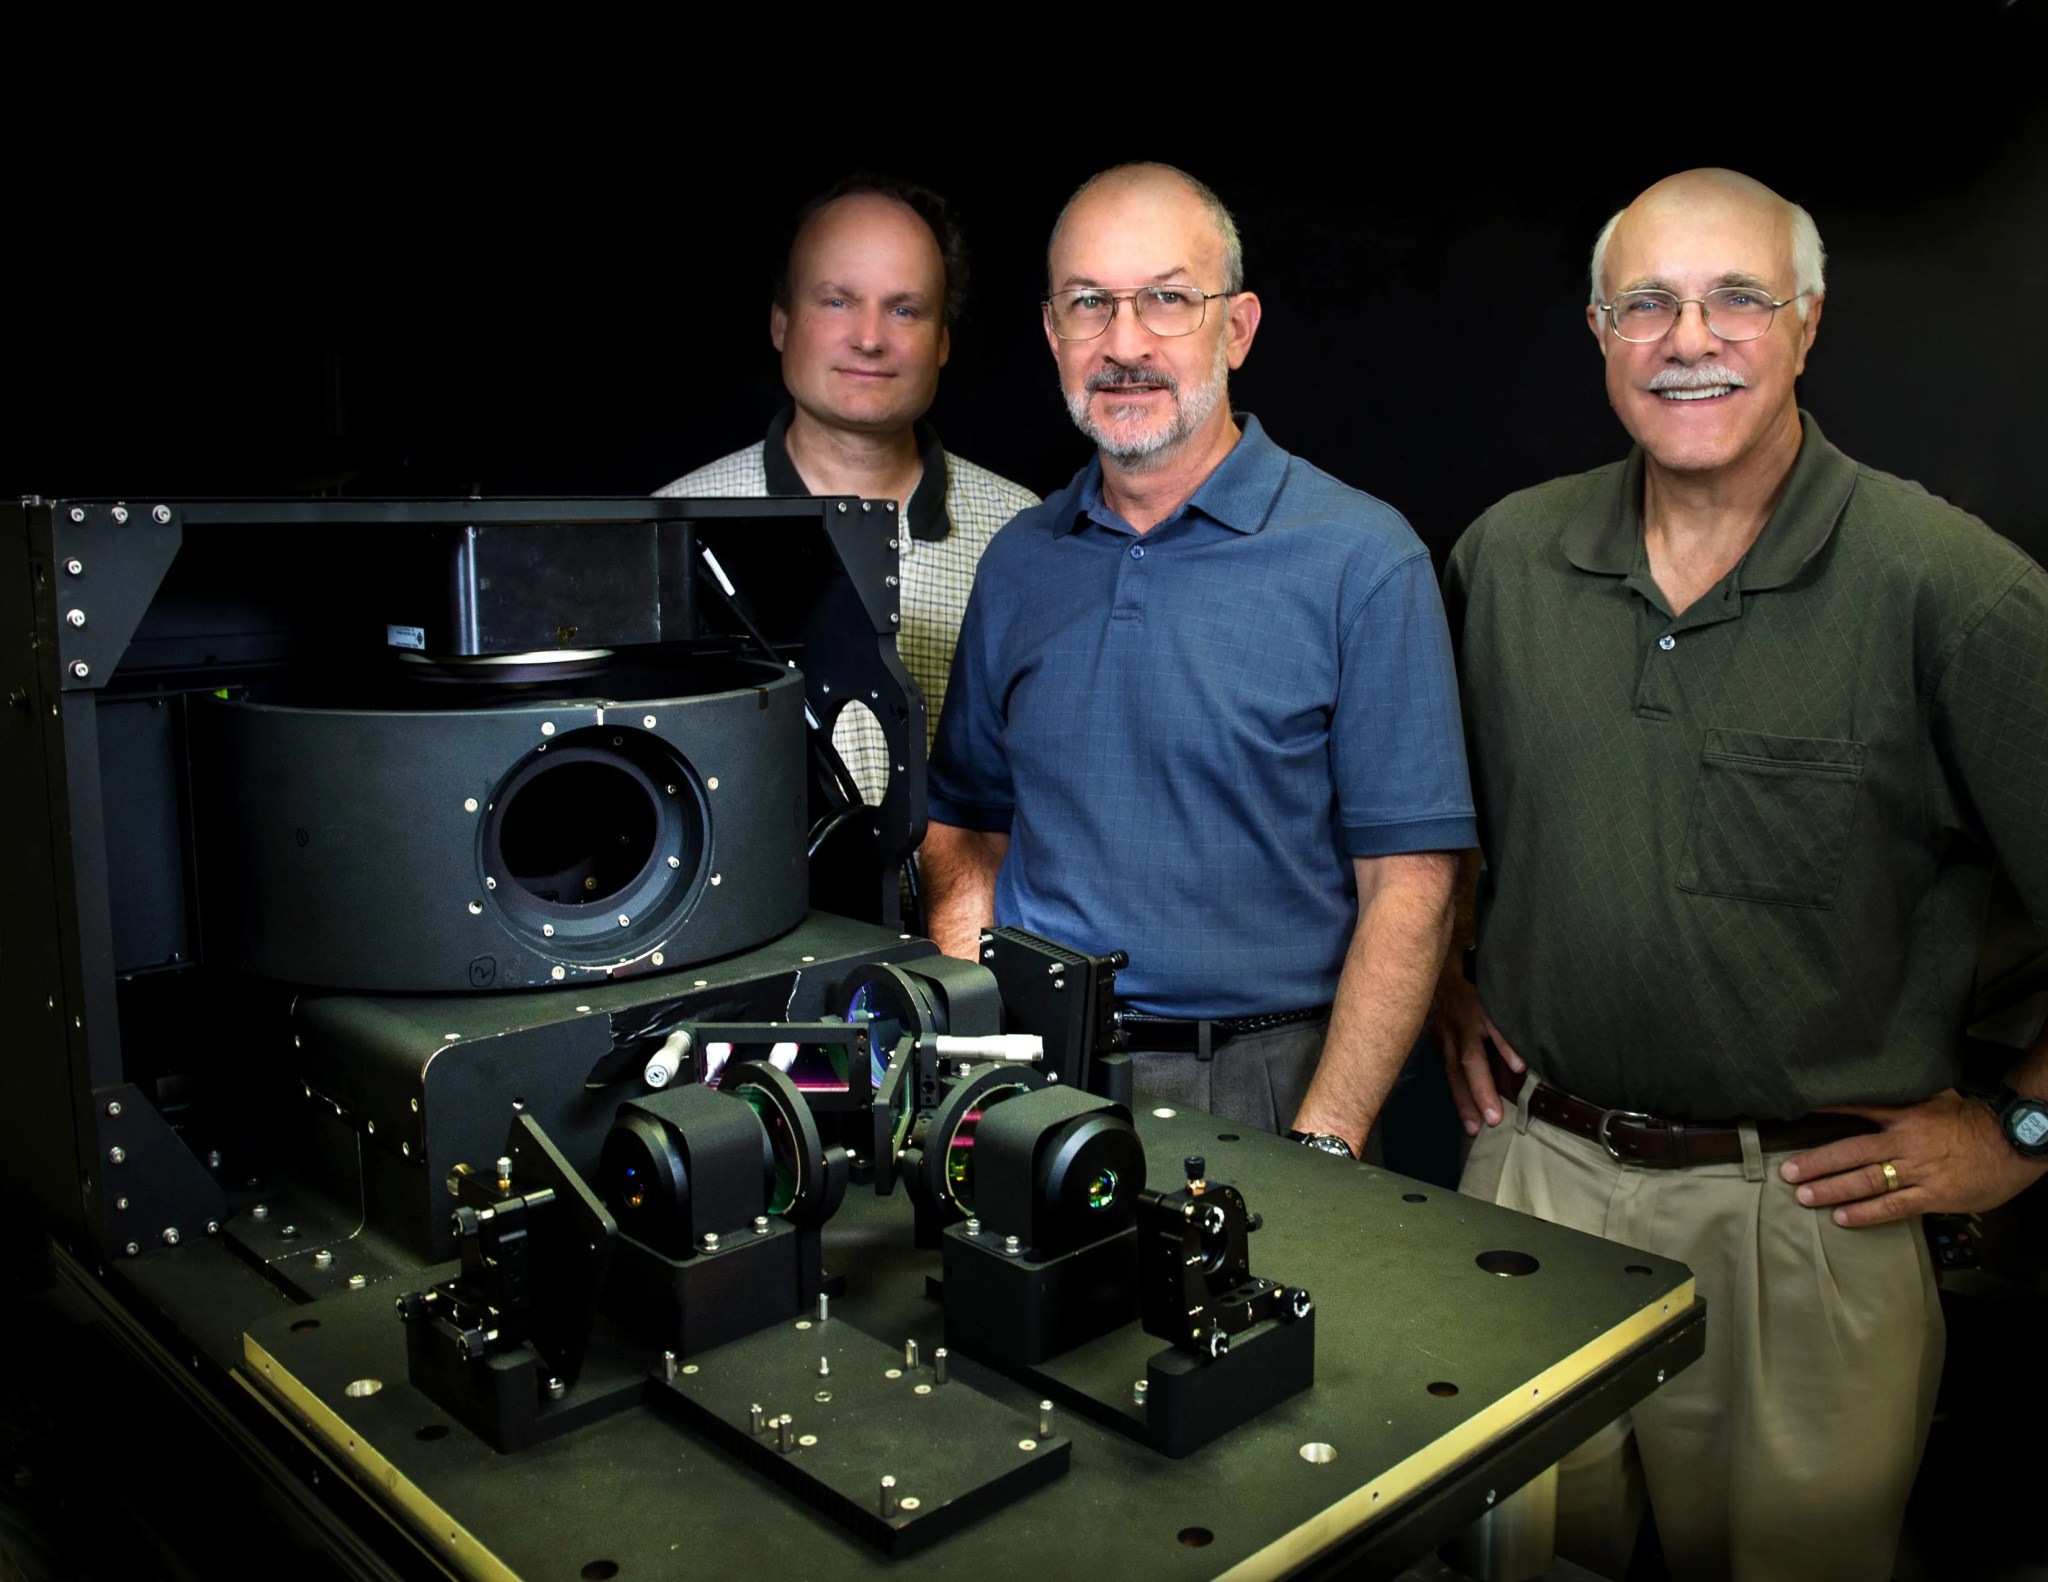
{"x":1771,"y":817}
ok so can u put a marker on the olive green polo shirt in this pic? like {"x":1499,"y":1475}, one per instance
{"x":1738,"y":859}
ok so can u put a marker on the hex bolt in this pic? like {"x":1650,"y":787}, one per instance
{"x":75,"y":566}
{"x":170,"y":1236}
{"x":1045,"y":1419}
{"x":939,"y":1365}
{"x":888,"y":1495}
{"x":161,"y":514}
{"x":785,"y":1439}
{"x":75,"y":617}
{"x":323,"y":1259}
{"x":80,"y":669}
{"x":910,"y":1353}
{"x":754,"y":1413}
{"x":358,"y":1282}
{"x":120,"y":513}
{"x":116,"y":1154}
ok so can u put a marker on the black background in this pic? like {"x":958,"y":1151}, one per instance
{"x":423,"y":283}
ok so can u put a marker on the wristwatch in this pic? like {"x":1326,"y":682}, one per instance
{"x":1331,"y":1143}
{"x":2024,"y":1122}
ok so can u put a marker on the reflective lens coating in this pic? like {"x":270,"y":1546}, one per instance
{"x":1102,"y":1190}
{"x":1734,"y":313}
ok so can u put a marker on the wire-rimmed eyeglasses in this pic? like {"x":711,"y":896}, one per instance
{"x":1733,"y":313}
{"x":1086,"y":311}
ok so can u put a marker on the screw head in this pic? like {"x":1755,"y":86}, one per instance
{"x":78,"y":513}
{"x":357,"y":1282}
{"x":120,"y":513}
{"x":657,"y":958}
{"x":476,"y":909}
{"x":113,"y":1106}
{"x":75,"y":567}
{"x":647,"y":720}
{"x":547,"y":930}
{"x":260,"y":1211}
{"x":75,"y":617}
{"x":133,"y":1249}
{"x":80,"y":669}
{"x":712,"y":783}
{"x":323,"y":1259}
{"x":625,"y":921}
{"x":718,"y":878}
{"x":213,"y":1227}
{"x":710,"y":1240}
{"x":161,"y":513}
{"x":892,"y":543}
{"x":170,"y":1236}
{"x":116,"y":1155}
{"x":547,"y":727}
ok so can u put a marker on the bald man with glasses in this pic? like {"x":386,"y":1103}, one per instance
{"x":1202,"y":709}
{"x":1752,"y":726}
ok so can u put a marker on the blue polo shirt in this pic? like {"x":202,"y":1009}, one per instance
{"x":1189,"y":734}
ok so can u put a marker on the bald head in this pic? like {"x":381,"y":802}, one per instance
{"x":1146,"y":180}
{"x":1720,"y":198}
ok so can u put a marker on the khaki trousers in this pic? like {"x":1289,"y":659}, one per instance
{"x":1789,"y":1448}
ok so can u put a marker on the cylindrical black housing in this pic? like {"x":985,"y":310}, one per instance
{"x":519,"y":845}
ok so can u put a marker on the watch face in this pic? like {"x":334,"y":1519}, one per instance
{"x":2029,"y":1125}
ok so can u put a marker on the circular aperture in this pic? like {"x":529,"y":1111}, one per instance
{"x":597,"y":844}
{"x":579,"y":830}
{"x":1507,"y":1263}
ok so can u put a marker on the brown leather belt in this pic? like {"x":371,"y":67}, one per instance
{"x":1638,"y":1139}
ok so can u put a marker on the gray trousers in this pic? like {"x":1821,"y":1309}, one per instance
{"x":1257,"y":1080}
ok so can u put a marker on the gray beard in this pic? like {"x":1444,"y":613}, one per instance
{"x":1193,"y":407}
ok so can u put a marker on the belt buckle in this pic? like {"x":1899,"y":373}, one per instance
{"x":1607,"y":1118}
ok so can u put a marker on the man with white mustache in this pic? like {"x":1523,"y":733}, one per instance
{"x":1751,"y":727}
{"x":1202,"y":709}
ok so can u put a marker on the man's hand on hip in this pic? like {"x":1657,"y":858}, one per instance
{"x":1946,"y":1153}
{"x":1462,"y":1030}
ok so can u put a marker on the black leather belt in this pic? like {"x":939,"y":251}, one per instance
{"x":1638,"y":1139}
{"x":1162,"y":1033}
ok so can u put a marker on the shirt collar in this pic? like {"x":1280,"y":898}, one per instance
{"x":927,"y":514}
{"x":1607,"y":538}
{"x":1238,"y":493}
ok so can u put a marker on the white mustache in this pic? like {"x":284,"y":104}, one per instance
{"x":1118,"y":378}
{"x":1699,"y":376}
